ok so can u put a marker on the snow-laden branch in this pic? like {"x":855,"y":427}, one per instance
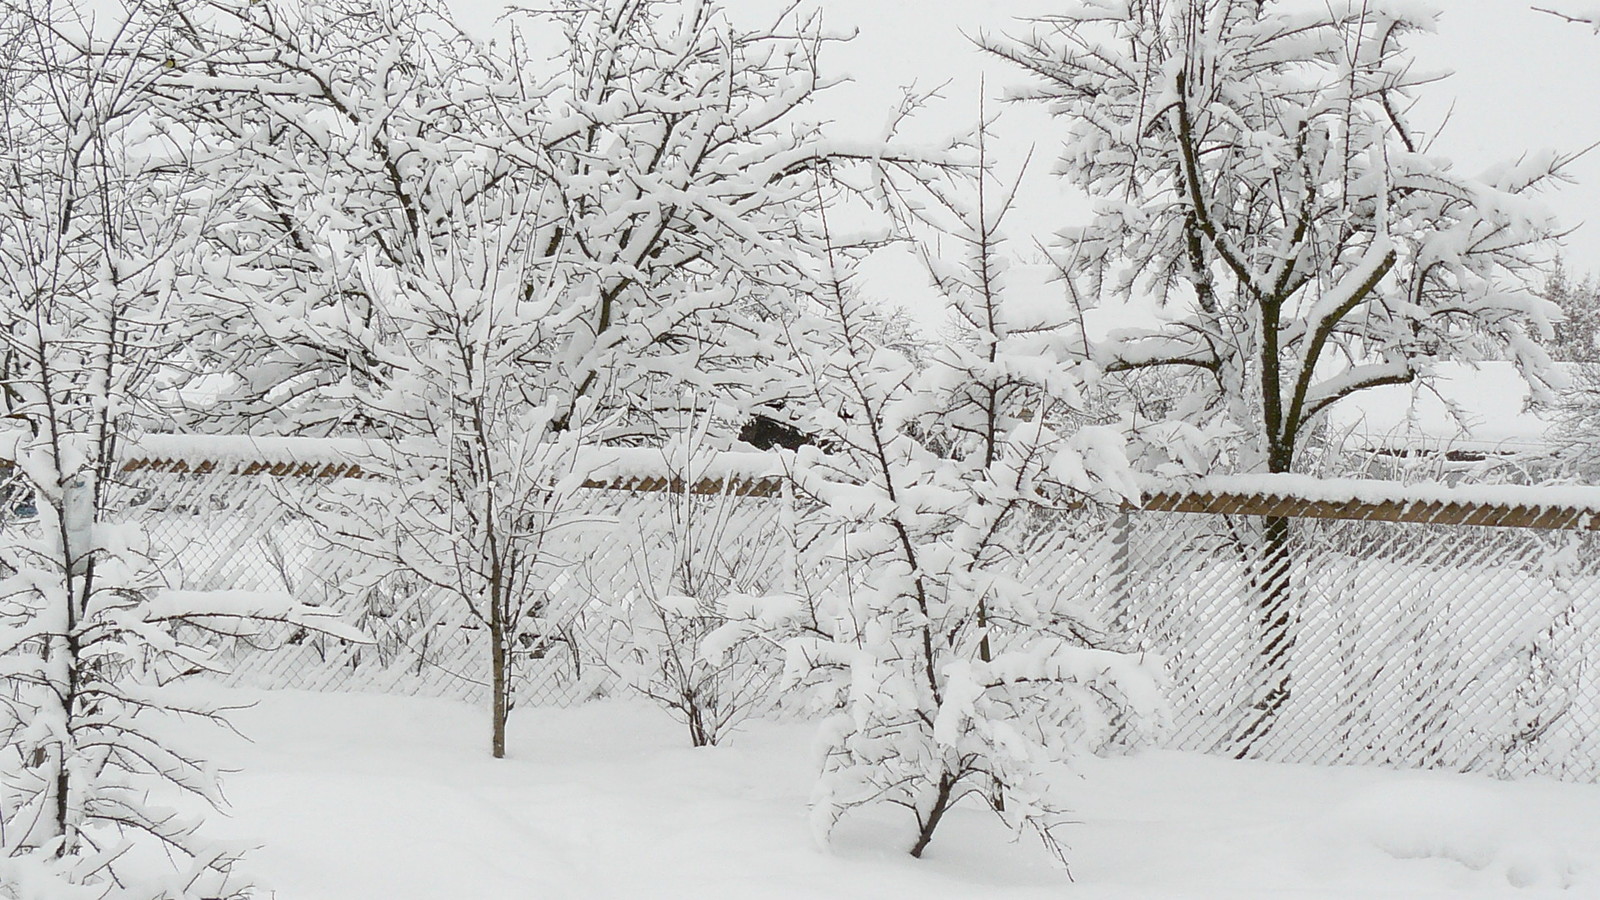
{"x":241,"y":613}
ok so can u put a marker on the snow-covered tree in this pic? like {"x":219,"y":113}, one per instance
{"x":1255,"y":171}
{"x":1577,"y":334}
{"x":399,"y":278}
{"x":476,"y":491}
{"x":1575,"y":345}
{"x":947,"y":675}
{"x":100,"y":280}
{"x":1259,"y":174}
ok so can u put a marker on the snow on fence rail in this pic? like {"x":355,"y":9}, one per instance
{"x":1426,"y":626}
{"x":1564,"y":507}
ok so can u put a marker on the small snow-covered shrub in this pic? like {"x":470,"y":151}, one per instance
{"x":670,"y":648}
{"x":943,"y":675}
{"x":702,"y":570}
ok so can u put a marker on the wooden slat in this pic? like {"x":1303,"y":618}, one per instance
{"x":742,"y":487}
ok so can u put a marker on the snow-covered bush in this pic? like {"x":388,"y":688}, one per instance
{"x":101,"y":286}
{"x":945,"y":675}
{"x":703,"y":567}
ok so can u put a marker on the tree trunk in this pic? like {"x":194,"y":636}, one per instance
{"x":941,"y":803}
{"x":498,"y":665}
{"x":1269,"y":581}
{"x":699,"y":734}
{"x":63,"y":774}
{"x":75,"y":519}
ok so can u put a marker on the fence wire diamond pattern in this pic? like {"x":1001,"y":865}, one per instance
{"x":1407,"y":643}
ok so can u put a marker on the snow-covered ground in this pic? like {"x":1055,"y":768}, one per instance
{"x":355,"y":796}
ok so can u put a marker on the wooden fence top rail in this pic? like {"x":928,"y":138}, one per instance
{"x":321,"y":471}
{"x":1502,"y":511}
{"x":768,"y":486}
{"x":1416,"y":512}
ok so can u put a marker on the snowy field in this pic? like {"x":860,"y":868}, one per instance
{"x":354,"y":796}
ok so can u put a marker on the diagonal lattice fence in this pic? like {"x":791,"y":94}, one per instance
{"x":1453,"y":646}
{"x":226,"y":515}
{"x":1327,"y":622}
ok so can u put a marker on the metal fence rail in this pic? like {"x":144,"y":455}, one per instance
{"x":1407,"y":627}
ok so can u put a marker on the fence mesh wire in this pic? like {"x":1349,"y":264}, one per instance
{"x":1405,"y":643}
{"x":1409,"y":644}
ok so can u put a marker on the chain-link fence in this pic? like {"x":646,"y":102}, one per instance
{"x":1328,"y":623}
{"x":1466,"y":647}
{"x":238,"y":524}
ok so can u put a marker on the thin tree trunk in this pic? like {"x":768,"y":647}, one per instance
{"x":77,"y":579}
{"x":498,"y":652}
{"x":1275,"y":626}
{"x":499,"y":685}
{"x":941,"y":803}
{"x":699,"y":735}
{"x":63,"y":773}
